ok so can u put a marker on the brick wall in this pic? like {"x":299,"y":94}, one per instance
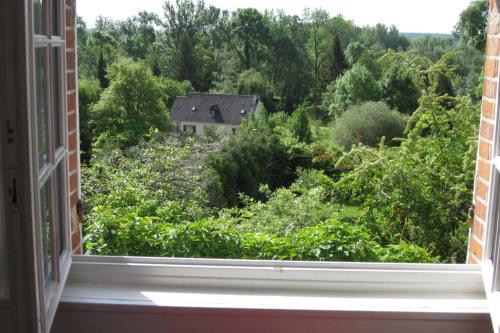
{"x":73,"y":136}
{"x":486,"y":130}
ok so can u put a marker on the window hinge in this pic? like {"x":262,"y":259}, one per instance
{"x":10,"y":132}
{"x":79,"y":208}
{"x":13,"y":191}
{"x":470,"y":216}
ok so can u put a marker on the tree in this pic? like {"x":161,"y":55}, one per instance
{"x":399,"y":88}
{"x":250,"y":32}
{"x":299,"y":124}
{"x":131,"y":106}
{"x":338,"y":63}
{"x":89,"y":92}
{"x":102,"y":72}
{"x":471,"y":27}
{"x":355,"y":86}
{"x":367,"y":124}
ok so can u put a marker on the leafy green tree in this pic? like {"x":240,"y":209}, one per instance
{"x":131,"y":105}
{"x":419,"y":192}
{"x":89,"y":92}
{"x":471,"y":27}
{"x":251,"y":157}
{"x":368,"y":123}
{"x":399,"y":88}
{"x":299,"y":123}
{"x":173,"y":88}
{"x":357,"y":85}
{"x":250,"y":33}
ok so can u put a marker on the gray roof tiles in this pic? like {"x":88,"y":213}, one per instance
{"x":212,"y":108}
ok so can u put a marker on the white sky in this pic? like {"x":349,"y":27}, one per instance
{"x":408,"y":15}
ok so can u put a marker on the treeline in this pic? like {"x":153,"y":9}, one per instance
{"x":286,"y":59}
{"x":364,"y":150}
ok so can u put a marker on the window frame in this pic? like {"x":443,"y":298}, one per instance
{"x":95,"y":264}
{"x":49,"y":294}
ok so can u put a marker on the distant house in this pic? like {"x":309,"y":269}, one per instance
{"x":194,"y":112}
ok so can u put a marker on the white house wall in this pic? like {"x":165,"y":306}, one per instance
{"x":224,"y":129}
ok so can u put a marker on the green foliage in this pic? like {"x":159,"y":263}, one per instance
{"x":299,"y":123}
{"x":399,"y":88}
{"x":173,"y":88}
{"x":249,"y":159}
{"x":356,"y":86}
{"x":368,"y":123}
{"x":131,"y":106}
{"x":89,"y":92}
{"x":419,"y":193}
{"x":471,"y":27}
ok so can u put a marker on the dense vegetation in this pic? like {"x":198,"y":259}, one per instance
{"x":364,"y":149}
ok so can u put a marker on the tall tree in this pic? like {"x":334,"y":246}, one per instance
{"x":471,"y":28}
{"x":338,"y":63}
{"x":102,"y":72}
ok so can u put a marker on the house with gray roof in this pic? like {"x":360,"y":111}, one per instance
{"x":194,"y":112}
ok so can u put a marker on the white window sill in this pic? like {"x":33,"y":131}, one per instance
{"x":416,"y":290}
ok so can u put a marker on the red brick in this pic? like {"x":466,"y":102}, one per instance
{"x":70,"y":39}
{"x":486,"y":130}
{"x":473,"y":260}
{"x":481,"y":190}
{"x":485,"y":150}
{"x":480,"y":210}
{"x":488,"y":109}
{"x":490,"y":88}
{"x":70,"y":17}
{"x":492,"y":47}
{"x":75,"y":239}
{"x":477,"y":229}
{"x":70,"y":60}
{"x":483,"y":169}
{"x":73,"y":199}
{"x":476,"y":248}
{"x":73,"y":182}
{"x":72,"y":141}
{"x":72,"y":122}
{"x":71,"y":100}
{"x":73,"y":162}
{"x":491,"y":67}
{"x":71,"y":81}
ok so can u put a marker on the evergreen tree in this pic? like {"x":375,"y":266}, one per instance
{"x":300,"y":125}
{"x":339,"y":63}
{"x":102,"y":72}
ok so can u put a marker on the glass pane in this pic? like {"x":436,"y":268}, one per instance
{"x":41,"y":104}
{"x":61,"y":205}
{"x":3,"y":245}
{"x":56,"y":96}
{"x":39,"y":17}
{"x":46,"y":219}
{"x":55,"y":18}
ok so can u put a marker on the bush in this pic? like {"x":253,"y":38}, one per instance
{"x":367,"y":124}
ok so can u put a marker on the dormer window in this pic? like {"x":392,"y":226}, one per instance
{"x":193,"y":109}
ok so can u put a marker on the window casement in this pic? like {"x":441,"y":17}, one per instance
{"x":36,"y":202}
{"x":36,"y":164}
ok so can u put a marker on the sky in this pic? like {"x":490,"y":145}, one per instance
{"x":437,"y":16}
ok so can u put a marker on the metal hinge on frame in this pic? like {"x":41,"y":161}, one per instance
{"x":470,"y":216}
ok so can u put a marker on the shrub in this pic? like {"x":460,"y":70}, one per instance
{"x":367,"y":124}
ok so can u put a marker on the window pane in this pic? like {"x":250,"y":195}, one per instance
{"x":61,"y":205}
{"x":39,"y":17}
{"x":41,"y":104}
{"x":56,"y":96}
{"x":46,"y":219}
{"x":55,"y":18}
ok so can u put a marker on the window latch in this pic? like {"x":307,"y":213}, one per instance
{"x":470,"y":216}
